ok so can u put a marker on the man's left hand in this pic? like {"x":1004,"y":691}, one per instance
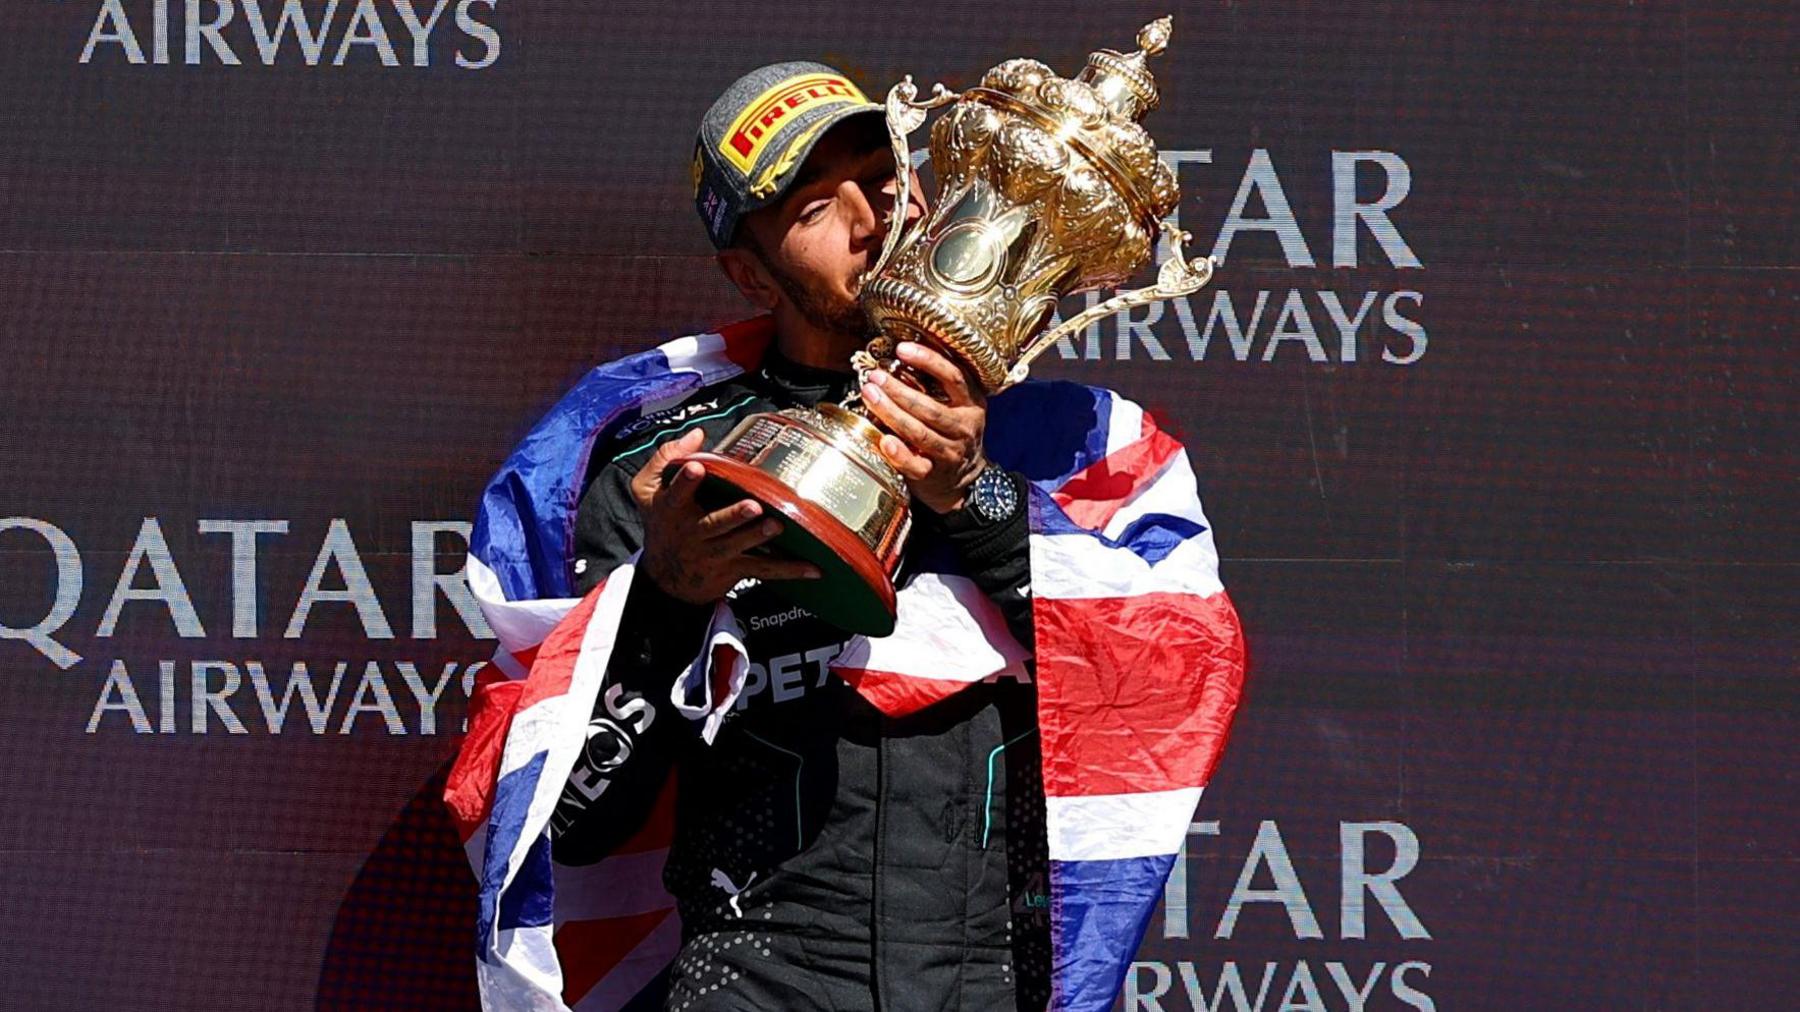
{"x":936,"y":444}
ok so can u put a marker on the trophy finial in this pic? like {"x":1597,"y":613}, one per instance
{"x":1153,"y":38}
{"x":1124,"y":81}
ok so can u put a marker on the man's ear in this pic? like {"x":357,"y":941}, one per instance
{"x":746,"y":271}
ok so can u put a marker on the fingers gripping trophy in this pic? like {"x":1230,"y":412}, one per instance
{"x":1048,"y":186}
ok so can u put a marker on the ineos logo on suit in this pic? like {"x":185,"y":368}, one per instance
{"x":610,"y":742}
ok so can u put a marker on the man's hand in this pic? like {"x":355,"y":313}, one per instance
{"x":694,"y":555}
{"x":938,"y":448}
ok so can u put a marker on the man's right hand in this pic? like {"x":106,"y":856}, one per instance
{"x":695,"y":555}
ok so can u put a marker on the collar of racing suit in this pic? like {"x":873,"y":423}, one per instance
{"x":805,"y":385}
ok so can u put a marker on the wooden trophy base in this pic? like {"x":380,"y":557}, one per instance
{"x":854,"y":591}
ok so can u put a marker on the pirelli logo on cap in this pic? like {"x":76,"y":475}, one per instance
{"x":774,"y":109}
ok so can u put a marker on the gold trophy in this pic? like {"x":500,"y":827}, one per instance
{"x":1047,"y":187}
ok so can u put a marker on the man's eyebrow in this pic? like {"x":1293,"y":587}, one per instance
{"x":810,"y":171}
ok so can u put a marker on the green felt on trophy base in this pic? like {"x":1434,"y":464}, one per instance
{"x":852,"y":593}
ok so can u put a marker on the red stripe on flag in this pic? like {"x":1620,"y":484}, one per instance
{"x":1093,"y":494}
{"x":746,"y":340}
{"x":1136,"y":693}
{"x":898,"y":695}
{"x":589,"y":950}
{"x":554,"y":665}
{"x":721,"y":662}
{"x":469,"y":790}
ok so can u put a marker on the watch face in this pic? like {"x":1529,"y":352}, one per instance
{"x":995,"y":498}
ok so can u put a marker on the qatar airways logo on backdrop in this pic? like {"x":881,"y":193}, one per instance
{"x":238,"y":32}
{"x":1370,"y":957}
{"x":1335,"y":322}
{"x":273,"y":683}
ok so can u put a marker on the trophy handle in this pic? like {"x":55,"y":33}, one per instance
{"x":1178,"y":276}
{"x":904,"y":115}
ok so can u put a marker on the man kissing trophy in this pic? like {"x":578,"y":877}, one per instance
{"x":1048,"y":186}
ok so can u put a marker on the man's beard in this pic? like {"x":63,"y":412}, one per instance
{"x":845,"y":319}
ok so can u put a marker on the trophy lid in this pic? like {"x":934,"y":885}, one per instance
{"x":1096,"y":114}
{"x":1048,"y":186}
{"x":1123,"y":81}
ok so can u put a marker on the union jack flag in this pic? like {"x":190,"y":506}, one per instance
{"x":1140,"y":662}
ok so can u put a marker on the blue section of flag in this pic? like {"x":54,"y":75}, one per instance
{"x":1098,"y":912}
{"x":1030,"y":430}
{"x":1150,"y":537}
{"x":1153,"y":536}
{"x":1048,"y":431}
{"x":512,"y":799}
{"x":527,"y":513}
{"x":526,"y":903}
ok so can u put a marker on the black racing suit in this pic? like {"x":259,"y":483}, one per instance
{"x":825,"y":856}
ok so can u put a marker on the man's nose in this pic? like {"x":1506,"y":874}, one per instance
{"x":874,"y":205}
{"x":868,"y":219}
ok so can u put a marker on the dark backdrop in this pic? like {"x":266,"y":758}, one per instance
{"x":1515,"y":554}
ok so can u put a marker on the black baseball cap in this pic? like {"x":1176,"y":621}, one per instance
{"x":758,"y":133}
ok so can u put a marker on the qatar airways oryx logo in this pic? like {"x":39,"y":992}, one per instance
{"x":1335,"y":320}
{"x":238,"y":32}
{"x":275,"y":683}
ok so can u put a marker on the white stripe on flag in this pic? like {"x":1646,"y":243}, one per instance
{"x":525,"y":975}
{"x":1126,"y":426}
{"x":508,"y":664}
{"x":1171,"y":493}
{"x":693,"y":352}
{"x":519,"y":625}
{"x":945,"y":628}
{"x":1104,"y":827}
{"x":701,"y":353}
{"x":1077,"y":566}
{"x":554,"y":724}
{"x":692,"y":693}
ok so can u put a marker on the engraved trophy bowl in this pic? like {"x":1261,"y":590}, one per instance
{"x":1048,"y":186}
